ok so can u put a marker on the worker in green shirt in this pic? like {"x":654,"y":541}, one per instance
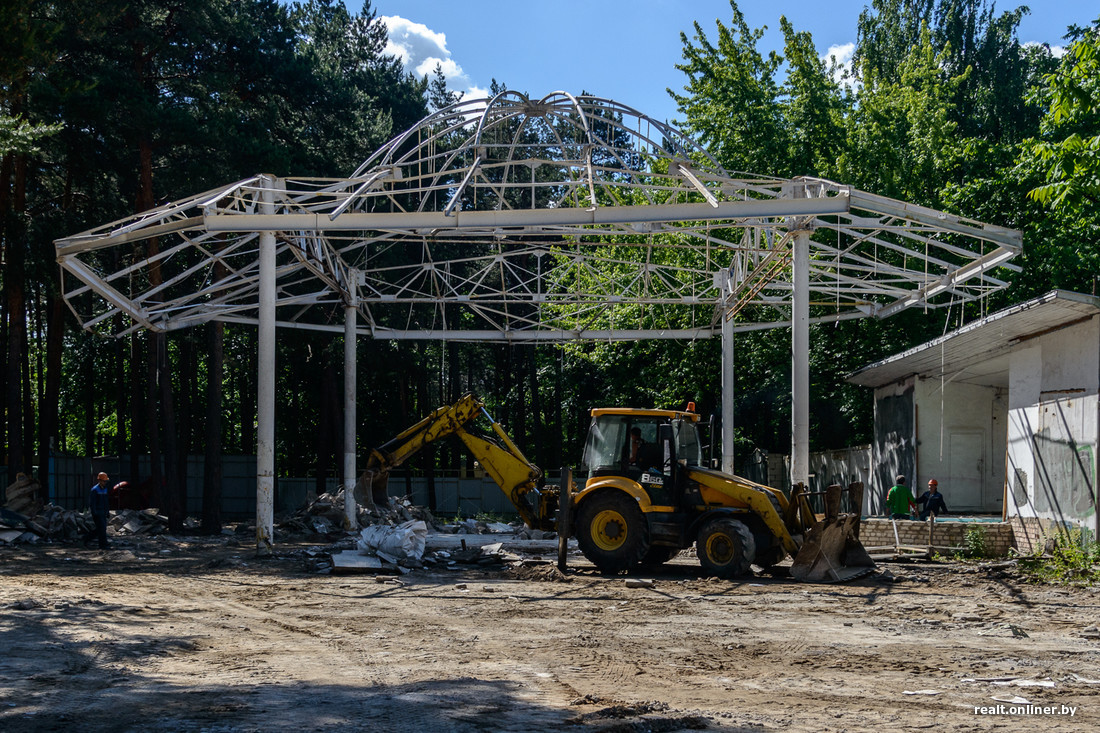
{"x":900,"y":500}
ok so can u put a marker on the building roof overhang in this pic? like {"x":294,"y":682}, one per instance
{"x":978,"y":353}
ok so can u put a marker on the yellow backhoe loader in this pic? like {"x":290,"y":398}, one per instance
{"x":517,"y":477}
{"x":649,"y":495}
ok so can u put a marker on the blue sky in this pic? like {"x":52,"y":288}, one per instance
{"x":627,"y":51}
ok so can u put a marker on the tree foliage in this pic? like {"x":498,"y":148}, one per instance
{"x":1068,"y":150}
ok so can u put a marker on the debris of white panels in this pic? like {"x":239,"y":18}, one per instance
{"x":406,"y":541}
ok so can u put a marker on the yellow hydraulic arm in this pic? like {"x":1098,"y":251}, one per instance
{"x":517,"y":477}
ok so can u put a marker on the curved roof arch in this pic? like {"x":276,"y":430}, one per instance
{"x":519,"y":219}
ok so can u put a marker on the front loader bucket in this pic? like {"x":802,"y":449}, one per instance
{"x":831,"y":551}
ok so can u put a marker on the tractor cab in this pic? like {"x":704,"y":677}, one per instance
{"x":646,"y":446}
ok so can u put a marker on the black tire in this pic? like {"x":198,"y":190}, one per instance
{"x":725,"y":547}
{"x":612,"y":531}
{"x":659,"y":555}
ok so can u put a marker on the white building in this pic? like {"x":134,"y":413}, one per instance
{"x":1002,"y":412}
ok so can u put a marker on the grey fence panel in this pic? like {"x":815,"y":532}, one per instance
{"x":72,"y":477}
{"x":70,"y":480}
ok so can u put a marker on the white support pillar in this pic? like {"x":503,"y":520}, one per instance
{"x":351,"y":521}
{"x":265,"y":385}
{"x":727,"y":392}
{"x":800,"y":359}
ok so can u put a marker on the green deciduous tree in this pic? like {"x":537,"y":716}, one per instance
{"x":1068,"y":150}
{"x":731,"y":98}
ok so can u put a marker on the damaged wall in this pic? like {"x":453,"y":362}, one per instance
{"x":893,"y":447}
{"x":1052,"y":427}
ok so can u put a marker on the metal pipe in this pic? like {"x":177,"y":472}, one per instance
{"x":800,"y":361}
{"x":350,"y":507}
{"x":265,"y":386}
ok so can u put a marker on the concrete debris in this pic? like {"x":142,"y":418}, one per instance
{"x":22,"y":495}
{"x":135,"y":521}
{"x":325,"y":515}
{"x":638,"y":583}
{"x":477,"y":526}
{"x":920,"y":692}
{"x":49,"y":522}
{"x":452,"y":542}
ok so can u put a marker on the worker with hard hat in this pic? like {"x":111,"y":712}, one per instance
{"x":932,"y":501}
{"x":100,"y":505}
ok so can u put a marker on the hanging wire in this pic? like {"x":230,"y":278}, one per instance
{"x":943,"y":378}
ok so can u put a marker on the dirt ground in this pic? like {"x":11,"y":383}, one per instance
{"x":189,"y":634}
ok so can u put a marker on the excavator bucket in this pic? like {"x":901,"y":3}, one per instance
{"x":831,"y":551}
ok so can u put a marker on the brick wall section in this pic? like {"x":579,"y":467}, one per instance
{"x":1032,"y":532}
{"x":999,"y":536}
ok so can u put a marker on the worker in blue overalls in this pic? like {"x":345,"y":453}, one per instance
{"x":100,"y":504}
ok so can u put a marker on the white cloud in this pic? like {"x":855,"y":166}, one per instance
{"x":1055,"y":51}
{"x":421,"y":49}
{"x":843,"y":53}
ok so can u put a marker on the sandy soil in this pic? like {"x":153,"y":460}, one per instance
{"x":188,"y":634}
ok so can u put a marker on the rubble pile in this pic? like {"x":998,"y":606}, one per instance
{"x":50,"y":522}
{"x":21,"y":496}
{"x":325,"y":515}
{"x":138,"y":521}
{"x":55,"y":523}
{"x":394,"y":539}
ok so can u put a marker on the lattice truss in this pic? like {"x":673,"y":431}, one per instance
{"x":518,"y":219}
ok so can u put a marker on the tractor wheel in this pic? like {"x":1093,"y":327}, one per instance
{"x":725,"y":547}
{"x":659,"y":555}
{"x":612,"y":531}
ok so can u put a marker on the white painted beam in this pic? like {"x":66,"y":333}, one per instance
{"x":265,"y":391}
{"x":350,"y":507}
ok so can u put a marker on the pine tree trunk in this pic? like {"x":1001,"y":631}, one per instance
{"x":12,"y":234}
{"x":139,"y":433}
{"x":427,"y":461}
{"x":152,"y":419}
{"x":538,"y":432}
{"x":176,"y":495}
{"x":49,"y":411}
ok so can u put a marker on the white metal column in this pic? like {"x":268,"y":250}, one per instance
{"x":727,"y":389}
{"x":800,"y":359}
{"x":265,"y":385}
{"x":350,"y":506}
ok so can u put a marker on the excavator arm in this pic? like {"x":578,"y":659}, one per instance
{"x":517,"y":477}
